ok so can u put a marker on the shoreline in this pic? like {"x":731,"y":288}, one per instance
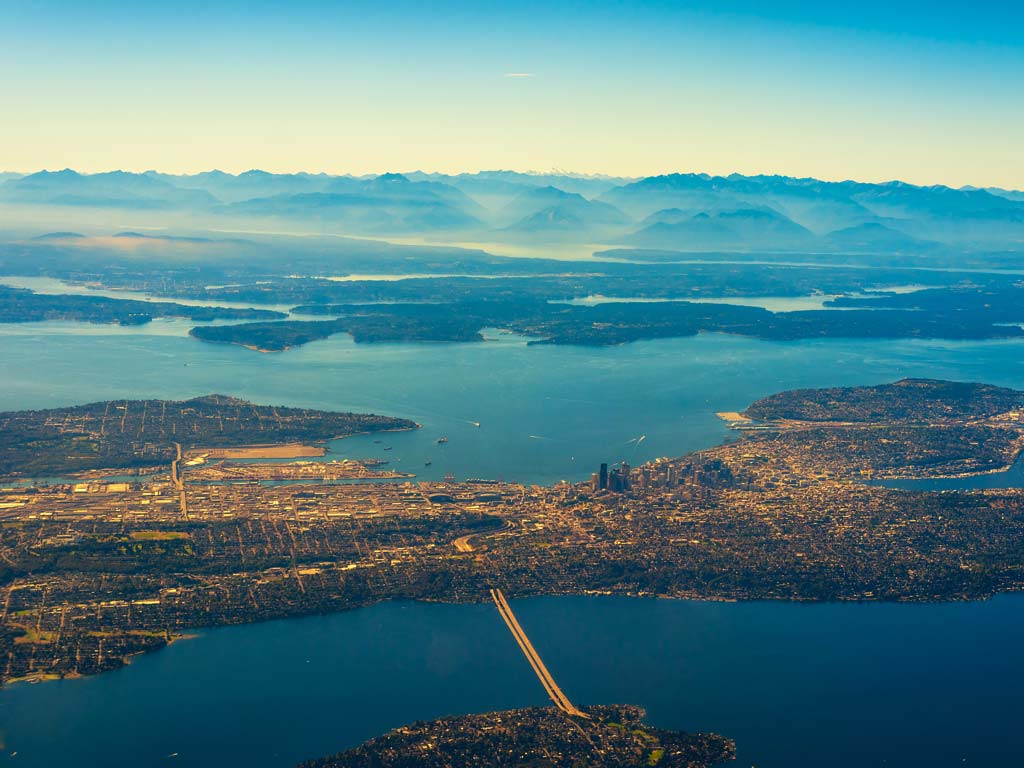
{"x":195,"y":632}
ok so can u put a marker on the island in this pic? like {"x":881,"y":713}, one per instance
{"x":593,"y":303}
{"x":363,"y":325}
{"x":94,"y":571}
{"x":602,"y":324}
{"x":542,"y":737}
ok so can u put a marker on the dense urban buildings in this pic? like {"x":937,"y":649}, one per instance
{"x":95,"y":570}
{"x":612,"y":736}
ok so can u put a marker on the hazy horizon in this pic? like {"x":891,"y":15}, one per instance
{"x":570,"y":173}
{"x":875,"y":92}
{"x":684,"y":335}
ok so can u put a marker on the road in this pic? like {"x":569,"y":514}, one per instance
{"x":179,"y":481}
{"x":464,"y":544}
{"x":557,"y":696}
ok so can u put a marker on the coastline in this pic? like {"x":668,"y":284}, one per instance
{"x":483,"y":599}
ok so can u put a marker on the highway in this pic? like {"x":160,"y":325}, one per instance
{"x":178,"y":481}
{"x":464,"y":544}
{"x":557,"y":696}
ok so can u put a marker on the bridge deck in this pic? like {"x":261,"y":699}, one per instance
{"x":557,"y":696}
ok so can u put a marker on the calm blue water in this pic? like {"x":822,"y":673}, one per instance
{"x":1011,"y":477}
{"x":799,"y":686}
{"x":546,"y":413}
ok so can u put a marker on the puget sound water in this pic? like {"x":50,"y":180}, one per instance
{"x":797,"y":685}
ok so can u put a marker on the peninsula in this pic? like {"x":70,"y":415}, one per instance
{"x":134,"y":433}
{"x":19,"y":305}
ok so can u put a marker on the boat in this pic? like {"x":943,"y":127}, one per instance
{"x":427,"y":463}
{"x":387,"y":447}
{"x":442,"y":440}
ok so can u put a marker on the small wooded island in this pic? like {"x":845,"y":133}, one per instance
{"x":539,"y":737}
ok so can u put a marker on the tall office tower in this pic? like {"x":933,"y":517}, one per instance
{"x":603,"y":477}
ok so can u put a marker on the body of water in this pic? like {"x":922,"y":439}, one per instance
{"x":54,"y":286}
{"x":1011,"y":477}
{"x":799,"y":686}
{"x":771,"y":303}
{"x":814,"y":301}
{"x":545,"y":412}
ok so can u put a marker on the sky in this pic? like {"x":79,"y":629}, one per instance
{"x":926,"y":92}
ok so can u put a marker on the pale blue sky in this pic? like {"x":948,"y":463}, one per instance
{"x":926,"y":92}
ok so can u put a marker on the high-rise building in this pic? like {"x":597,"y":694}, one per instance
{"x":603,"y":477}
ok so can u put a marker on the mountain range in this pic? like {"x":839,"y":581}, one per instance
{"x":684,"y":212}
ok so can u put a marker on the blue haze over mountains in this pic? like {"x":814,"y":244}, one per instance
{"x":676,"y":212}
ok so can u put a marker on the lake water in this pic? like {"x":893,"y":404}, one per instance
{"x":797,"y":685}
{"x":800,"y":686}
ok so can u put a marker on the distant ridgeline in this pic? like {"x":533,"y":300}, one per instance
{"x":751,"y":236}
{"x":133,"y":433}
{"x":682,"y":211}
{"x":615,"y":737}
